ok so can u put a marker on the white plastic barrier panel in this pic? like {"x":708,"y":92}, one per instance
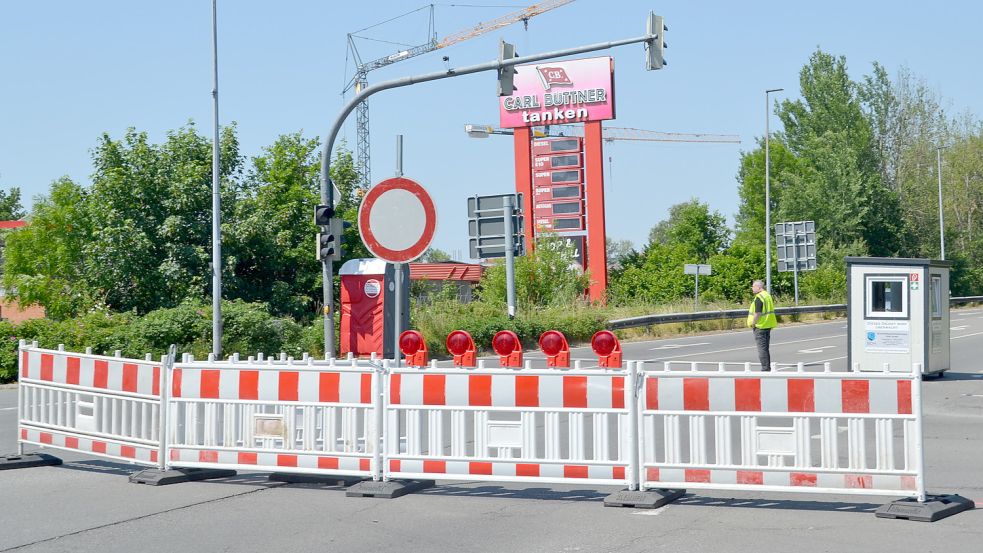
{"x":300,"y":417}
{"x":527,"y":425}
{"x":786,"y":431}
{"x":106,"y":406}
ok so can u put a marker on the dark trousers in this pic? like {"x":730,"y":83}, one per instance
{"x":762,"y":338}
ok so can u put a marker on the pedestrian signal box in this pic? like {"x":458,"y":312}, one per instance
{"x":898,"y":314}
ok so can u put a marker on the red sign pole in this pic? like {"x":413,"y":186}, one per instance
{"x":523,"y":181}
{"x":596,"y":232}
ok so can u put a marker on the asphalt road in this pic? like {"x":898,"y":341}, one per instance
{"x":88,"y":505}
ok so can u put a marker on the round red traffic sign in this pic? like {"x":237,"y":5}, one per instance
{"x":397,"y":220}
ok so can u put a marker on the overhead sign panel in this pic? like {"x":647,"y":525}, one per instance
{"x":557,"y":92}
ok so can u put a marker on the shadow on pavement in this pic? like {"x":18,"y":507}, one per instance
{"x":541,"y":494}
{"x":780,"y":504}
{"x":949,"y":375}
{"x":125,"y":469}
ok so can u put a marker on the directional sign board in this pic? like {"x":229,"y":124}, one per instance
{"x":486,"y":226}
{"x":796,"y":241}
{"x":397,"y":220}
{"x":694,"y":269}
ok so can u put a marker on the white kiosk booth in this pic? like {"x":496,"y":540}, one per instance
{"x":898,"y":314}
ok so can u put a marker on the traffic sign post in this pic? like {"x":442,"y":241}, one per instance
{"x":397,"y":220}
{"x":509,"y":256}
{"x":493,"y":223}
{"x":796,"y":243}
{"x":697,"y":269}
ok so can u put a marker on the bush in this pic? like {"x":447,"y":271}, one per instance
{"x":548,"y":276}
{"x":8,"y":352}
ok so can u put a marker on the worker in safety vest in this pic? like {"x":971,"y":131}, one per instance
{"x":761,"y":319}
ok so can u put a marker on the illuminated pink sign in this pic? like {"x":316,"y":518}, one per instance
{"x":559,"y":92}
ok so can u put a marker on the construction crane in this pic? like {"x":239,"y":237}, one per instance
{"x":610,"y":134}
{"x":360,"y":79}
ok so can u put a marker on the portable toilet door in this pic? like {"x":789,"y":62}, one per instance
{"x":368,"y":307}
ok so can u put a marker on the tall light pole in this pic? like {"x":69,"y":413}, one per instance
{"x":938,"y":153}
{"x":768,"y":190}
{"x":216,"y":203}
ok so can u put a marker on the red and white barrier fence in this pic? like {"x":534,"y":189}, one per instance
{"x":537,"y":425}
{"x":790,"y":432}
{"x":603,"y":423}
{"x":293,"y":416}
{"x":107,"y":406}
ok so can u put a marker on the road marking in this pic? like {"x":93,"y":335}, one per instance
{"x":677,"y":346}
{"x":830,"y":359}
{"x":962,"y":327}
{"x":753,"y":347}
{"x":966,"y":335}
{"x":651,"y":512}
{"x":7,"y":408}
{"x":815,"y":350}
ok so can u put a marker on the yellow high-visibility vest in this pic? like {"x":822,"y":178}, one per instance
{"x":767,"y":318}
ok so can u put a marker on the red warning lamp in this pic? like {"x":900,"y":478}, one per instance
{"x":608,"y":349}
{"x":414,"y":348}
{"x":461,"y":346}
{"x":506,"y":344}
{"x":554,"y":345}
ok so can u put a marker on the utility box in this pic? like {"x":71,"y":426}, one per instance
{"x":898,"y":314}
{"x":368,"y":301}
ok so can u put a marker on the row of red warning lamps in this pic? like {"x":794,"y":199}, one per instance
{"x":509,"y":349}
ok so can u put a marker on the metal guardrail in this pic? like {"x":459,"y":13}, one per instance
{"x":646,"y":320}
{"x":965,"y":299}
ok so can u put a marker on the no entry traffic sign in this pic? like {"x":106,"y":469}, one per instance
{"x":397,"y":220}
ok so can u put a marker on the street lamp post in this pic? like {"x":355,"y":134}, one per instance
{"x":938,"y":153}
{"x":768,"y":190}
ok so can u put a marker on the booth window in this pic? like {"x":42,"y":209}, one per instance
{"x":887,"y":297}
{"x":935,"y":297}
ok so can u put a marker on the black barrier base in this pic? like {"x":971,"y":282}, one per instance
{"x":8,"y":462}
{"x":157,"y":477}
{"x":387,"y":490}
{"x":936,"y":507}
{"x":647,"y":499}
{"x":291,"y":478}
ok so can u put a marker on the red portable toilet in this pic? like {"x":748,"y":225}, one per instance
{"x":368,"y":307}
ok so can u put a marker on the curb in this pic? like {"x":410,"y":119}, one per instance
{"x":10,"y":386}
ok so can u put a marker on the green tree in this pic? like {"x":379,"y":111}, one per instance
{"x":841,"y":186}
{"x":150,"y":206}
{"x":44,"y":262}
{"x":273,"y":234}
{"x":10,"y":206}
{"x":750,"y":216}
{"x":693,"y":226}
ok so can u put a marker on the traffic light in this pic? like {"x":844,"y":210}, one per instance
{"x":506,"y":75}
{"x":327,"y":245}
{"x":337,"y":227}
{"x":655,"y":55}
{"x":323,"y":215}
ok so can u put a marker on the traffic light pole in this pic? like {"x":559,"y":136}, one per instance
{"x":327,"y":192}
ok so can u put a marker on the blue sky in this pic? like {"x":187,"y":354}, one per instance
{"x":72,"y":70}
